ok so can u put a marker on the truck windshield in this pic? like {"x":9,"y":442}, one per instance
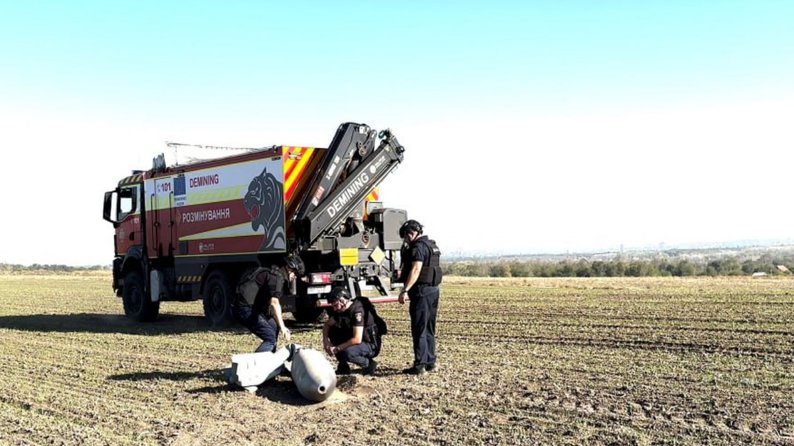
{"x":127,"y":202}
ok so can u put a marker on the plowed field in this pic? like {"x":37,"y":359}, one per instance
{"x":522,"y":361}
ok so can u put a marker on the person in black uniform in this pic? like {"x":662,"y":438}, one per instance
{"x":263,"y":316}
{"x":350,"y":333}
{"x":421,"y":274}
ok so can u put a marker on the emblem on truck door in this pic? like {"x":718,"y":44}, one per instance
{"x":264,"y":202}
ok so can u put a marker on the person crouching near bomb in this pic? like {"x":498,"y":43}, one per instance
{"x":351,"y":334}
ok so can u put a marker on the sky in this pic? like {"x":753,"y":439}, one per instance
{"x":529,"y":126}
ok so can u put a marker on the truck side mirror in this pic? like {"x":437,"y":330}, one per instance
{"x":108,"y":210}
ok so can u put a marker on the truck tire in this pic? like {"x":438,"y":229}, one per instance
{"x":218,"y":298}
{"x":137,"y":305}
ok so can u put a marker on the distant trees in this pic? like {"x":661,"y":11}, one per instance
{"x":520,"y":269}
{"x":499,"y":270}
{"x":728,"y":266}
{"x":685,"y":268}
{"x":8,"y":268}
{"x":618,"y":267}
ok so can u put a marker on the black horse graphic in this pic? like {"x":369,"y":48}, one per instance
{"x":264,"y":202}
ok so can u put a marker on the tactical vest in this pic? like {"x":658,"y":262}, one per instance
{"x":374,"y":325}
{"x":431,"y":272}
{"x":257,"y":287}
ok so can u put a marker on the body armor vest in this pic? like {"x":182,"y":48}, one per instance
{"x":430,"y":274}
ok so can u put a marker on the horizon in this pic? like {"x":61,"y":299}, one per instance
{"x":734,"y":244}
{"x":730,"y":245}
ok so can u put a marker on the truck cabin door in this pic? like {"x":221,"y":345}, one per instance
{"x":161,"y":205}
{"x":128,"y":219}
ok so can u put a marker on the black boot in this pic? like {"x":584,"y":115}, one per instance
{"x":370,"y":369}
{"x":418,"y":369}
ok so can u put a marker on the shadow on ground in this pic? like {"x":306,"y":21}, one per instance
{"x":214,"y":374}
{"x":281,"y":390}
{"x":106,"y":323}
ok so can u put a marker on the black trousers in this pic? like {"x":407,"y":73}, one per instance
{"x":259,"y":324}
{"x":423,"y":310}
{"x":359,"y":354}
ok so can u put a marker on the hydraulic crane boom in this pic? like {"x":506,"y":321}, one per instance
{"x":352,"y":142}
{"x":330,"y":212}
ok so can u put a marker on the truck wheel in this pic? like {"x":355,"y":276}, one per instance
{"x":137,"y":305}
{"x":218,"y":297}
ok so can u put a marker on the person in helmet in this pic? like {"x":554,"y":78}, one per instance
{"x":261,"y":313}
{"x":421,"y":275}
{"x":349,"y":333}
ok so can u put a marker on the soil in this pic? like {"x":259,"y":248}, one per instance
{"x":521,"y":361}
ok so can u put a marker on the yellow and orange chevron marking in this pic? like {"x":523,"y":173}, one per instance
{"x":299,"y":162}
{"x":130,"y":180}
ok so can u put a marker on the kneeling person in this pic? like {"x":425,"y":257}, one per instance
{"x":349,"y":333}
{"x":261,"y":313}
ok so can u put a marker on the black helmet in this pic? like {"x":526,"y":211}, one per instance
{"x":295,"y":263}
{"x":410,"y":225}
{"x":338,"y":293}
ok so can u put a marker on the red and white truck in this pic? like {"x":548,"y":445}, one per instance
{"x":189,"y":232}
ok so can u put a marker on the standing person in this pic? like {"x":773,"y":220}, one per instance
{"x":421,"y":272}
{"x":261,"y":312}
{"x":351,"y":333}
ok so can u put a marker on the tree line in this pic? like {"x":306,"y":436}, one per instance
{"x":730,"y":266}
{"x":7,"y":267}
{"x":617,"y":267}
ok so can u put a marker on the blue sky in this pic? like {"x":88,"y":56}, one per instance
{"x":529,"y":126}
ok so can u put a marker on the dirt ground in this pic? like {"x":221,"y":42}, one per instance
{"x":522,"y":361}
